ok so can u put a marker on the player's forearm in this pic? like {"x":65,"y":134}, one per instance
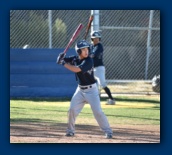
{"x":72,"y":68}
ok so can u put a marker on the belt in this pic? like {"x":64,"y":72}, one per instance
{"x":85,"y":87}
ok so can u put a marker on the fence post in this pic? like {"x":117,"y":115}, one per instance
{"x":148,"y":44}
{"x":50,"y":27}
{"x":95,"y":23}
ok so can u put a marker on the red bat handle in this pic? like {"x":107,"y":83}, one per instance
{"x":91,"y":18}
{"x":74,"y":36}
{"x":88,"y":26}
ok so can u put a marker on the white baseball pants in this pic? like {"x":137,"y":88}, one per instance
{"x":99,"y":74}
{"x":91,"y":96}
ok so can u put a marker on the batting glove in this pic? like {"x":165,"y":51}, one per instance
{"x":60,"y":60}
{"x":62,"y":55}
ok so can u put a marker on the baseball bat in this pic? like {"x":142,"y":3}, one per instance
{"x":88,"y":26}
{"x":74,"y":36}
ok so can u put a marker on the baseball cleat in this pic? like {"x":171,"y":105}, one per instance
{"x":108,"y":136}
{"x":69,"y":134}
{"x":110,"y":102}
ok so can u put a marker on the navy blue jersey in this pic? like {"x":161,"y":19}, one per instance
{"x":98,"y":55}
{"x":86,"y":76}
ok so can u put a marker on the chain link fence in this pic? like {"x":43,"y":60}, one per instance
{"x":131,"y":40}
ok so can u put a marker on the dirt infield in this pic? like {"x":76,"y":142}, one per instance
{"x":55,"y":133}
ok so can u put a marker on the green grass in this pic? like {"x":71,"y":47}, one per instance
{"x":128,"y":110}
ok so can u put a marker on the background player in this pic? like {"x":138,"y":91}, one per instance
{"x":86,"y":91}
{"x":99,"y":68}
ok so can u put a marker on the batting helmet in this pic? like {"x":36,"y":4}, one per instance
{"x":81,"y":44}
{"x":95,"y":34}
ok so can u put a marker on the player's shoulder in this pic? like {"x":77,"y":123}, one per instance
{"x":88,"y":59}
{"x":100,"y":44}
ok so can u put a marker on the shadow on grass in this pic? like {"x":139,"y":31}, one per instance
{"x":44,"y":99}
{"x":133,"y":117}
{"x":31,"y":120}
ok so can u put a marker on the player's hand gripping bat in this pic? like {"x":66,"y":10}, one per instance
{"x":88,"y":26}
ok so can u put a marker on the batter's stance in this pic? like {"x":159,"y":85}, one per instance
{"x":86,"y":91}
{"x":99,"y":68}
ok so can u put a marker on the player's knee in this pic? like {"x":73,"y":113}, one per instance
{"x":72,"y":111}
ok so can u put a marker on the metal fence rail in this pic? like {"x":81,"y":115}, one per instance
{"x":131,"y":40}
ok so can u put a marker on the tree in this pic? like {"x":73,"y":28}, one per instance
{"x":59,"y":34}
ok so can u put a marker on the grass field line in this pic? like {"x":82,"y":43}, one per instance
{"x":103,"y":104}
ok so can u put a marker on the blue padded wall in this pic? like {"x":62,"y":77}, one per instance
{"x":34,"y":73}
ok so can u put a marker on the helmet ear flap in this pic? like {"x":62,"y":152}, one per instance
{"x":79,"y":51}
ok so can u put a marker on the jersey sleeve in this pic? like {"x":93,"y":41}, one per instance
{"x":69,"y":59}
{"x":86,"y":65}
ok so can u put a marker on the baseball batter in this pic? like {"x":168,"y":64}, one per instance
{"x":86,"y":91}
{"x":99,"y":68}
